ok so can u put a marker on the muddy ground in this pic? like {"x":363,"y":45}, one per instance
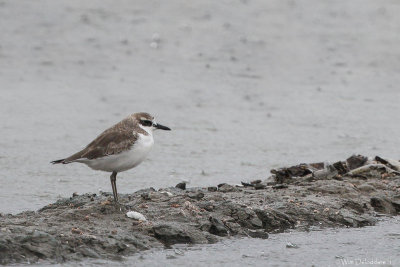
{"x":350,"y":193}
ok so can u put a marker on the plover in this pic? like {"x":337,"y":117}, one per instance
{"x":119,"y":148}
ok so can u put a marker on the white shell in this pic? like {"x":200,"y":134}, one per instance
{"x":136,"y":215}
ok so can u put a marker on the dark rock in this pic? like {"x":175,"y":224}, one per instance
{"x":382,"y":204}
{"x":207,"y":205}
{"x":172,"y":233}
{"x":256,"y":222}
{"x":318,"y":165}
{"x":396,"y":205}
{"x":381,"y":160}
{"x":281,"y":176}
{"x":181,"y":186}
{"x":341,"y":167}
{"x":356,"y":161}
{"x":259,"y":186}
{"x":196,"y":195}
{"x":87,"y":252}
{"x":41,"y":244}
{"x":285,"y":175}
{"x":226,"y":188}
{"x":355,"y":205}
{"x":353,"y":220}
{"x":274,"y":220}
{"x":299,"y":170}
{"x":217,"y":227}
{"x":247,"y":184}
{"x":212,"y":188}
{"x":280,"y":186}
{"x":255,"y":182}
{"x":146,"y":196}
{"x":258,"y":234}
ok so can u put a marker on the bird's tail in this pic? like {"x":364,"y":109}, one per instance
{"x":59,"y":161}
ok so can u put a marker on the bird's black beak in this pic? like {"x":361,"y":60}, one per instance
{"x":162,"y":127}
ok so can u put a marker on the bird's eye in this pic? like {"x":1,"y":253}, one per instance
{"x":146,"y":123}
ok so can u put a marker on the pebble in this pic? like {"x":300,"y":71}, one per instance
{"x":136,"y":216}
{"x":291,"y":245}
{"x":196,"y":195}
{"x":279,"y":186}
{"x":212,"y":188}
{"x":259,"y":186}
{"x":181,"y":186}
{"x":257,"y":234}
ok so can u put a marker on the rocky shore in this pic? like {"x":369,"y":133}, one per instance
{"x":350,"y":193}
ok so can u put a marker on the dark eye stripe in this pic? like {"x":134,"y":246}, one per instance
{"x":146,"y":122}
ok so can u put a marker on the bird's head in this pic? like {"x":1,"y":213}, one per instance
{"x":147,"y":122}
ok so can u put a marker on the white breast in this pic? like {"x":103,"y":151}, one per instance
{"x":125,"y":160}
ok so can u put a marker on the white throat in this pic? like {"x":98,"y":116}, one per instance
{"x":148,"y":130}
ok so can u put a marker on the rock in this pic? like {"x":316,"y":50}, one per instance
{"x":274,"y":220}
{"x":212,"y":188}
{"x":258,"y":234}
{"x":171,"y":233}
{"x":341,"y":167}
{"x":285,"y":175}
{"x":196,"y":195}
{"x":334,"y":187}
{"x":181,"y":186}
{"x":226,"y":188}
{"x":396,"y":204}
{"x":256,"y":222}
{"x":87,"y":252}
{"x":356,"y":161}
{"x":146,"y":196}
{"x":365,"y":187}
{"x":247,"y":184}
{"x":393,"y":164}
{"x":382,"y":204}
{"x":279,"y":186}
{"x":217,"y":227}
{"x":259,"y":186}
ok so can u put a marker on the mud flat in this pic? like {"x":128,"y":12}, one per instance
{"x":350,"y":193}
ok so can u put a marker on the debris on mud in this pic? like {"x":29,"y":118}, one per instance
{"x":350,"y":193}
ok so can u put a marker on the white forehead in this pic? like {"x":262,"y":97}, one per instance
{"x":145,"y":119}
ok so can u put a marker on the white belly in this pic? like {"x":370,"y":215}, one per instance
{"x":125,"y":160}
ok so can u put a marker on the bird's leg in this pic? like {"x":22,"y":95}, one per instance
{"x":113,"y":179}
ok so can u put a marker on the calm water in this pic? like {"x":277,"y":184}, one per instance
{"x":245,"y":85}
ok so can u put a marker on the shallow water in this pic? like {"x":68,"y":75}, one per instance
{"x":245,"y":85}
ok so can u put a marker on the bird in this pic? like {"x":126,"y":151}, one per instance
{"x":119,"y":148}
